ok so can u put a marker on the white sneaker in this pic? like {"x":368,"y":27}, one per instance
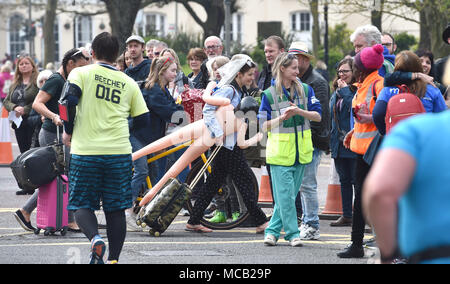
{"x":302,"y":227}
{"x":309,"y":233}
{"x":296,"y":242}
{"x":270,"y":240}
{"x":131,"y":223}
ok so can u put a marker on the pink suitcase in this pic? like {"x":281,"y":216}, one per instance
{"x":53,"y":199}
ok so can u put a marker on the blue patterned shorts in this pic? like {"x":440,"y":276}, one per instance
{"x":105,"y":178}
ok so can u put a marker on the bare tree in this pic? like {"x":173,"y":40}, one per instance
{"x":49,"y":37}
{"x":314,"y":7}
{"x":215,"y":13}
{"x":122,"y":15}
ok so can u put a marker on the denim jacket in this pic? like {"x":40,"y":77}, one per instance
{"x":340,"y":104}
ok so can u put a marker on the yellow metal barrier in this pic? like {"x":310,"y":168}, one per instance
{"x":171,"y":151}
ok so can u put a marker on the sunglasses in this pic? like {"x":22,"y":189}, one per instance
{"x":80,"y":53}
{"x":250,"y":63}
{"x":23,"y":55}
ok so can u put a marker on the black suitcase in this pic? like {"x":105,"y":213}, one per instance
{"x":159,"y":213}
{"x":38,"y":166}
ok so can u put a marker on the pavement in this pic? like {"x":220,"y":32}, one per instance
{"x":175,"y":246}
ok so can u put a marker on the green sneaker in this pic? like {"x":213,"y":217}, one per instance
{"x":219,"y":217}
{"x":235,"y":215}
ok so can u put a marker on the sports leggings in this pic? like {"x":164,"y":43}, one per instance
{"x":116,"y":228}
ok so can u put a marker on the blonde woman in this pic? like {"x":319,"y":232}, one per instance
{"x":5,"y":80}
{"x":287,"y":108}
{"x":20,"y":98}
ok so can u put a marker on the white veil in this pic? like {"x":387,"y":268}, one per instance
{"x":229,"y":71}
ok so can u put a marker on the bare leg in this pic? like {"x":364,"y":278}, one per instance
{"x":187,"y":133}
{"x":225,"y":116}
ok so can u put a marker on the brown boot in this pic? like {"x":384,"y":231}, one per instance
{"x":342,"y":222}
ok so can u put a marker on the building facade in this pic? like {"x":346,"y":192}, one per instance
{"x":72,"y":30}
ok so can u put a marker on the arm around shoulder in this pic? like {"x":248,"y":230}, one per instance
{"x":214,"y":100}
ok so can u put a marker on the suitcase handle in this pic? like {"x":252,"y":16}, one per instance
{"x":205,"y":166}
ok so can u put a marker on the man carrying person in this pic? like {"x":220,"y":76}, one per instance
{"x":100,"y":99}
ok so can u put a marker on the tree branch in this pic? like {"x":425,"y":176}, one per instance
{"x":191,"y":12}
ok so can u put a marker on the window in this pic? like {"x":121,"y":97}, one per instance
{"x":151,"y":24}
{"x":236,"y":27}
{"x":301,"y":21}
{"x":16,"y":40}
{"x":83,"y":30}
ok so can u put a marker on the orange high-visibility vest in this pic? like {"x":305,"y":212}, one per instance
{"x":364,"y":133}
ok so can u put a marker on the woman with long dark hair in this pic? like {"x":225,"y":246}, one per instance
{"x":46,"y":104}
{"x":217,"y":126}
{"x":230,"y":159}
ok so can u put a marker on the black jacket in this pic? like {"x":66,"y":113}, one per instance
{"x":320,"y":130}
{"x":161,"y":106}
{"x":439,"y":68}
{"x":140,"y":72}
{"x":265,"y":78}
{"x":202,"y":79}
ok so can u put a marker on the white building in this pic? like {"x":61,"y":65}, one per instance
{"x":75,"y":31}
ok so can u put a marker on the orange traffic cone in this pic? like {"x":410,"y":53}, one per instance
{"x":6,"y":156}
{"x":265,"y":199}
{"x":333,"y":203}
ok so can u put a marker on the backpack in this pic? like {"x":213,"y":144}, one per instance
{"x":402,"y":106}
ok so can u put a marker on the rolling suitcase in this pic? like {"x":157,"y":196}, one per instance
{"x":159,"y":213}
{"x":52,"y":215}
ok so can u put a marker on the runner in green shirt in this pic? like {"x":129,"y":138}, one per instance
{"x":100,"y":99}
